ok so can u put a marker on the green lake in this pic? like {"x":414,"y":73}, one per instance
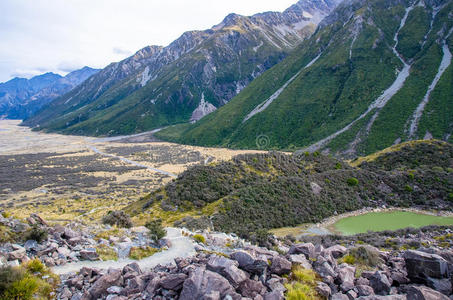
{"x":380,"y":221}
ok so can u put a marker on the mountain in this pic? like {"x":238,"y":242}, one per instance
{"x":374,"y":73}
{"x":192,"y":77}
{"x":257,"y":192}
{"x":20,"y":97}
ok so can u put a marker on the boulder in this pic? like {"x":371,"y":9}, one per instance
{"x":424,"y":293}
{"x":380,"y":283}
{"x":17,"y":254}
{"x":421,"y":265}
{"x":275,"y":295}
{"x":202,"y":282}
{"x":323,"y":289}
{"x":336,"y":251}
{"x":440,"y":285}
{"x":280,"y":265}
{"x":307,"y":249}
{"x":31,"y":245}
{"x":300,"y":260}
{"x":339,"y":296}
{"x":227,"y":268}
{"x":99,"y":288}
{"x":275,"y":284}
{"x":173,"y":281}
{"x":249,"y":262}
{"x":114,"y":290}
{"x":89,"y":254}
{"x":69,"y":233}
{"x":364,"y":290}
{"x":133,"y":267}
{"x":251,"y":288}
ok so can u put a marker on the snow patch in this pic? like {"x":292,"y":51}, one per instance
{"x":444,"y":64}
{"x":261,"y":107}
{"x":259,"y":46}
{"x":145,"y":77}
{"x":203,"y":109}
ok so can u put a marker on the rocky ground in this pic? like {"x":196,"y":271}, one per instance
{"x":226,"y":267}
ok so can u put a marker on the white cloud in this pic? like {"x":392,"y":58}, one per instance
{"x":55,"y":35}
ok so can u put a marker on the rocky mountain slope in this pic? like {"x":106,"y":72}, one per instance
{"x":20,"y":97}
{"x":373,"y":74}
{"x":254,"y":193}
{"x":193,"y":76}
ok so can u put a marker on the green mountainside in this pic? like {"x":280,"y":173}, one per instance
{"x":374,"y":73}
{"x":254,"y":193}
{"x":190,"y":78}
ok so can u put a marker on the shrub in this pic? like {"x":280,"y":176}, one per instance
{"x":199,"y":238}
{"x":349,"y":259}
{"x":299,"y":291}
{"x":117,"y":218}
{"x":352,"y":181}
{"x":138,"y":253}
{"x":106,"y":253}
{"x":408,"y":188}
{"x":35,"y":266}
{"x":303,"y":275}
{"x":338,"y":166}
{"x":36,"y":233}
{"x":365,"y":256}
{"x":156,"y":229}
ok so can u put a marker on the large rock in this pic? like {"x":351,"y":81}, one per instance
{"x":301,"y":260}
{"x":380,"y":283}
{"x":364,"y":290}
{"x":280,"y":265}
{"x":346,"y":277}
{"x":323,"y":289}
{"x":336,"y":251}
{"x":250,"y":263}
{"x":424,"y":293}
{"x":99,"y":288}
{"x":69,"y":233}
{"x":173,"y":281}
{"x":202,"y":283}
{"x":89,"y":254}
{"x":228,"y":269}
{"x":440,"y":285}
{"x":421,"y":265}
{"x":251,"y":288}
{"x":307,"y":249}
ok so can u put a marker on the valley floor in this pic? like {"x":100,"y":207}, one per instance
{"x":73,"y":177}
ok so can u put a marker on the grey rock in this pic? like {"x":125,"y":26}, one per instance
{"x":202,"y":282}
{"x":89,"y":254}
{"x":380,"y":283}
{"x":336,"y":251}
{"x":280,"y":265}
{"x":99,"y":288}
{"x":323,"y":289}
{"x":365,"y":290}
{"x":133,"y":267}
{"x":339,"y":296}
{"x":69,"y":233}
{"x":250,"y":263}
{"x":114,"y":290}
{"x":251,"y":288}
{"x":421,"y":265}
{"x":301,"y":260}
{"x":227,"y":268}
{"x":307,"y":249}
{"x":173,"y":281}
{"x":351,"y":294}
{"x":275,"y":284}
{"x":424,"y":293}
{"x":440,"y":285}
{"x":31,"y":245}
{"x":275,"y":295}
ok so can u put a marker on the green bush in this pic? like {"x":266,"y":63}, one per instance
{"x":138,"y":253}
{"x":364,"y":255}
{"x":352,"y":181}
{"x":117,"y":218}
{"x":36,"y":233}
{"x":156,"y":230}
{"x":199,"y":238}
{"x":300,"y":291}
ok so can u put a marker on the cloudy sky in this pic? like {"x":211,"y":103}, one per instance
{"x":38,"y":36}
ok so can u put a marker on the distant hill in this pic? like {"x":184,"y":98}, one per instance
{"x":190,"y":78}
{"x":20,"y":97}
{"x":373,"y":74}
{"x":254,"y":193}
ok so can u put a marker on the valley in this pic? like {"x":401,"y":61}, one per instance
{"x":72,"y":177}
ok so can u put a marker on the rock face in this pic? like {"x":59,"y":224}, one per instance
{"x":424,"y":293}
{"x":99,"y":288}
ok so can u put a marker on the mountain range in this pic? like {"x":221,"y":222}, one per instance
{"x":374,"y":73}
{"x":348,"y":79}
{"x":193,"y":76}
{"x":20,"y":97}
